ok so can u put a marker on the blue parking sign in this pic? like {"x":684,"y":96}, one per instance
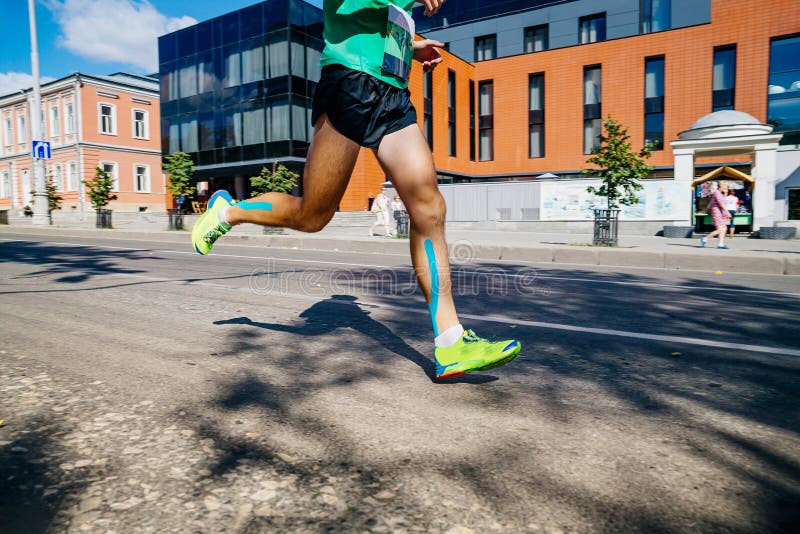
{"x":41,"y":150}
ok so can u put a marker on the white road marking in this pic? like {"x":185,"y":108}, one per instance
{"x":708,"y":343}
{"x":462,"y":271}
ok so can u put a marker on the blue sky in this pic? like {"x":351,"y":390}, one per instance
{"x":95,"y":36}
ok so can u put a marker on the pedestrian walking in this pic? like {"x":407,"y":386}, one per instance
{"x":732,"y":205}
{"x":380,"y":207}
{"x":398,"y":210}
{"x":362,"y":100}
{"x":719,"y":216}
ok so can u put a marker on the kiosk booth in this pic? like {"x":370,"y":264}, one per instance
{"x":740,"y":186}
{"x":720,"y":135}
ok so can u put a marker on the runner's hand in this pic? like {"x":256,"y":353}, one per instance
{"x":432,"y":6}
{"x":427,"y":52}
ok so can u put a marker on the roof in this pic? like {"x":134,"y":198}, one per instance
{"x":724,"y":118}
{"x":726,"y":172}
{"x":132,"y":81}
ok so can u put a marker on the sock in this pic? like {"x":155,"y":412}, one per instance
{"x":449,"y":337}
{"x":223,"y":216}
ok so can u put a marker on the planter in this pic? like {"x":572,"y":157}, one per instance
{"x":777,"y":232}
{"x":175,"y":219}
{"x":606,"y":228}
{"x":103,"y":219}
{"x":678,"y":231}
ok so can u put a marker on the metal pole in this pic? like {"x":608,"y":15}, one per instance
{"x":41,"y":205}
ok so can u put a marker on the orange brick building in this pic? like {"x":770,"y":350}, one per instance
{"x":688,"y":92}
{"x":110,"y":122}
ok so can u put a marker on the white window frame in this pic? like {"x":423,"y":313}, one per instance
{"x":69,"y":184}
{"x":22,"y":130}
{"x":100,"y":118}
{"x":146,"y":121}
{"x":114,"y":175}
{"x":8,"y":131}
{"x":58,"y":176}
{"x":69,"y":118}
{"x":148,"y":184}
{"x":55,"y":125}
{"x":5,"y":184}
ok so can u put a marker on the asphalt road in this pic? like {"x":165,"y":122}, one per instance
{"x":145,"y":387}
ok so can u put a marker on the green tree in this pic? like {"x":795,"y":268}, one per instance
{"x":618,"y":166}
{"x":180,"y":168}
{"x":99,"y":189}
{"x":53,"y":198}
{"x":277,"y":180}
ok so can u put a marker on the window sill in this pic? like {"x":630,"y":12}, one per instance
{"x":113,"y":134}
{"x":141,"y":138}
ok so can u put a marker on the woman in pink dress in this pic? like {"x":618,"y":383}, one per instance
{"x":719,"y":216}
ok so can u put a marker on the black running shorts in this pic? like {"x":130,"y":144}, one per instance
{"x":361,"y":107}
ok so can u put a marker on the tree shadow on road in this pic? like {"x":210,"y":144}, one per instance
{"x":343,"y":311}
{"x":75,"y":263}
{"x":33,"y":490}
{"x":667,"y":395}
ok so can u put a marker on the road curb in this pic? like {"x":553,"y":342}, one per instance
{"x":701,"y":260}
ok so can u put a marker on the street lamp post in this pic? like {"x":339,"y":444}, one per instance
{"x":41,"y":204}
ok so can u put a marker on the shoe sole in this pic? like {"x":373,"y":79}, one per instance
{"x":492,"y":365}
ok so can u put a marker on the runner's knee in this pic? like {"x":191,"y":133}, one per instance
{"x":429,"y":209}
{"x":313,"y":220}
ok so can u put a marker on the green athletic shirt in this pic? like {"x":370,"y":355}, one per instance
{"x":355,"y":36}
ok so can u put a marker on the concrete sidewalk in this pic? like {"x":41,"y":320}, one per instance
{"x":746,"y":255}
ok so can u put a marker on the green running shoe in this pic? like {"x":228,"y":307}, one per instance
{"x":208,"y":229}
{"x":472,"y":353}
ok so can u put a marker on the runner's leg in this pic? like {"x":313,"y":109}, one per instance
{"x":408,"y":162}
{"x":330,"y":162}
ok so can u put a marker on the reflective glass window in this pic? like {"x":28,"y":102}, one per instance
{"x":724,"y":78}
{"x":655,"y":15}
{"x":592,"y":108}
{"x":278,"y":54}
{"x":536,"y":116}
{"x":783,"y":110}
{"x":254,"y":123}
{"x":485,"y":47}
{"x":253,"y":61}
{"x":537,"y":38}
{"x":592,"y":28}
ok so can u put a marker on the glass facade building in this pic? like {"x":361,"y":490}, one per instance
{"x":236,"y":90}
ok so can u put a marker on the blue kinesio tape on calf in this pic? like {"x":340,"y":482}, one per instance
{"x":434,"y":304}
{"x":245,"y":205}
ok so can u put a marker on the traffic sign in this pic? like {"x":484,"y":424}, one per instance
{"x":41,"y":150}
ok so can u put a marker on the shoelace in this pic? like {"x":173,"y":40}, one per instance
{"x":213,"y":235}
{"x":471,"y":337}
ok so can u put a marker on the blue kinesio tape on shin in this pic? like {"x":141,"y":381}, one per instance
{"x":434,"y":304}
{"x":245,"y":205}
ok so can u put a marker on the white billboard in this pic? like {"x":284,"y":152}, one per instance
{"x":568,"y":200}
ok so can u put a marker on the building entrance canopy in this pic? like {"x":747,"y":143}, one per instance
{"x":728,"y":133}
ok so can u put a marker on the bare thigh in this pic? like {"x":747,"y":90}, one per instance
{"x":407,"y":159}
{"x":330,"y":163}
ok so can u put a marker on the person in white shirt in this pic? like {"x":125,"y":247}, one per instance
{"x":732,"y":204}
{"x":380,"y":207}
{"x":397,"y":207}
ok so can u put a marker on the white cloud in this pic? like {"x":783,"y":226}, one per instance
{"x":12,"y":82}
{"x":122,"y":31}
